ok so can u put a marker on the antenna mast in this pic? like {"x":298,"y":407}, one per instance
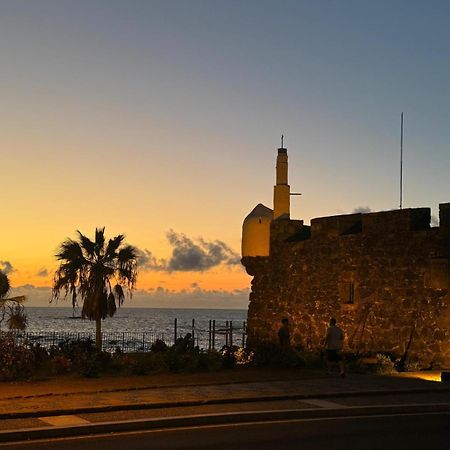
{"x":401,"y":161}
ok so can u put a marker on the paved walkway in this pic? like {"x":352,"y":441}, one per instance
{"x":37,"y":399}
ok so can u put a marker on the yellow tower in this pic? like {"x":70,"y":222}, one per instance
{"x":256,"y":232}
{"x":281,"y":191}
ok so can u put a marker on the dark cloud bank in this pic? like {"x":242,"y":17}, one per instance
{"x":189,"y":255}
{"x":159,"y":297}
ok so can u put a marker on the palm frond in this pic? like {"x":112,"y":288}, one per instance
{"x":126,"y":254}
{"x":18,"y":299}
{"x":87,"y":245}
{"x":111,"y":305}
{"x":99,"y":240}
{"x":69,"y":250}
{"x":118,"y":292}
{"x":127,"y":276}
{"x":4,"y":285}
{"x":113,"y":245}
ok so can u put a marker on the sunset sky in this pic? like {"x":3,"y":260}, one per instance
{"x":161,"y":119}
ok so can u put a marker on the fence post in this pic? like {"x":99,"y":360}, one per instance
{"x":53,"y":339}
{"x":143,"y":341}
{"x":243,"y":334}
{"x":226,"y":333}
{"x":193,"y":332}
{"x":214,"y":334}
{"x":175,"y":330}
{"x":231,"y":333}
{"x":209,"y":335}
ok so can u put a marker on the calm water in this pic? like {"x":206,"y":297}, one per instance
{"x":138,"y":320}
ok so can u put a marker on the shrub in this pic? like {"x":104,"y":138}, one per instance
{"x":209,"y":360}
{"x":82,"y":356}
{"x":312,"y":359}
{"x":228,"y":358}
{"x":385,"y":364}
{"x":243,"y":356}
{"x":270,"y":355}
{"x":61,"y":364}
{"x":158,"y":346}
{"x":91,"y":364}
{"x":182,"y":361}
{"x":17,"y":362}
{"x":17,"y":319}
{"x":74,"y":348}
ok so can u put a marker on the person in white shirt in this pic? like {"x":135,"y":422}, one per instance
{"x":334,"y":341}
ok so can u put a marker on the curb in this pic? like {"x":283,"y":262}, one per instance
{"x":217,"y":419}
{"x":218,"y":401}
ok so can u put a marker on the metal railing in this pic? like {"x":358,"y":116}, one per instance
{"x":214,"y":336}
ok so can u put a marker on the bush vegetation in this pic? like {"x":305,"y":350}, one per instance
{"x":21,"y":361}
{"x":82,"y":357}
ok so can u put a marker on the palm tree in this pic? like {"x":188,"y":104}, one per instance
{"x":11,"y":308}
{"x":99,"y":272}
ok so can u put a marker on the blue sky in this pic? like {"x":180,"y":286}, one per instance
{"x":184,"y":103}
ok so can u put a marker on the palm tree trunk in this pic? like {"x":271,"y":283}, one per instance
{"x":98,"y":334}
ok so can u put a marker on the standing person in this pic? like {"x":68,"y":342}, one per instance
{"x":333,"y":346}
{"x":284,"y":334}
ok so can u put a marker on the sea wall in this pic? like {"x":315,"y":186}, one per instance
{"x":384,"y":276}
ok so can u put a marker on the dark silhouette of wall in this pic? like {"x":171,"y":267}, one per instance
{"x":384,"y":276}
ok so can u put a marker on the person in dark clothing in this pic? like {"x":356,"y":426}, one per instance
{"x":284,"y":334}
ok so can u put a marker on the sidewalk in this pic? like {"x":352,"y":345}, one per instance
{"x":77,"y":395}
{"x":65,"y":407}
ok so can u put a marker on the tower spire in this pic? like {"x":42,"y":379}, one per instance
{"x":281,"y":194}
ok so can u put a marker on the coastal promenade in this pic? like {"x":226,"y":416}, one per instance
{"x":77,"y":406}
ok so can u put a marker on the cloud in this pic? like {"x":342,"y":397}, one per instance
{"x":201,"y":255}
{"x":362,"y":210}
{"x":36,"y":295}
{"x":6,"y":267}
{"x":196,"y":297}
{"x":159,"y":297}
{"x":189,"y":255}
{"x":43,"y":272}
{"x":147,"y":261}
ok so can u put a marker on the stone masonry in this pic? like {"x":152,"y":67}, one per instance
{"x":384,"y":276}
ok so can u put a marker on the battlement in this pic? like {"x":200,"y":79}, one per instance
{"x":374,"y":223}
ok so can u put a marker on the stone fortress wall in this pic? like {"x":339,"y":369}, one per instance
{"x":383,"y":275}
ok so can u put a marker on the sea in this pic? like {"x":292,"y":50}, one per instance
{"x":135,"y":322}
{"x":138,"y":320}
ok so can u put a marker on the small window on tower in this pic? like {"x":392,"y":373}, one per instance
{"x":351,"y":293}
{"x":347,"y":292}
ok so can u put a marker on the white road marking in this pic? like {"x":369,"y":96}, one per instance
{"x":62,"y":421}
{"x":323,"y":403}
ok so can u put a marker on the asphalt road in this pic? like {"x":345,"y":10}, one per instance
{"x":420,"y":431}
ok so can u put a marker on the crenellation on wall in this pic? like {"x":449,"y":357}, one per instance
{"x":335,"y":226}
{"x":444,"y":217}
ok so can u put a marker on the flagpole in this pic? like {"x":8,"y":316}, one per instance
{"x":401,"y":161}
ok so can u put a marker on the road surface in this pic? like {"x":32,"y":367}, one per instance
{"x":384,"y":432}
